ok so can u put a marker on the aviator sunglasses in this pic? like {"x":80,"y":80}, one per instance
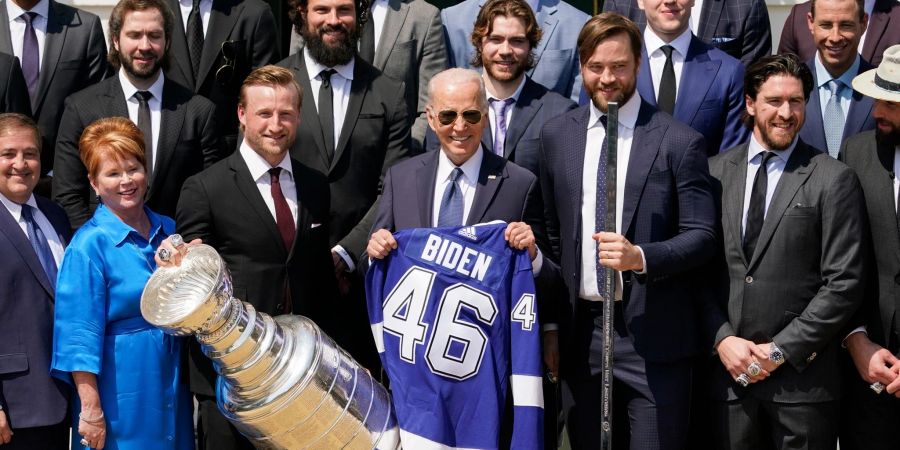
{"x":447,"y":117}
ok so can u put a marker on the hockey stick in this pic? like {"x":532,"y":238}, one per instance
{"x":606,"y":366}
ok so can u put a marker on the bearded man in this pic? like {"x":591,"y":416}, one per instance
{"x":179,"y":127}
{"x":354,"y":126}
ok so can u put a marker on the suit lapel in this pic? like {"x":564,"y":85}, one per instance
{"x":357,"y":95}
{"x":697,"y":75}
{"x":170,"y":122}
{"x":179,"y":53}
{"x":648,"y":135}
{"x":247,"y":187}
{"x":425,"y":180}
{"x":796,"y":171}
{"x":524,"y":110}
{"x":547,"y":19}
{"x":860,"y":110}
{"x":5,"y":39}
{"x":575,"y":142}
{"x":222,"y":18}
{"x":14,"y":233}
{"x":878,"y":24}
{"x":734,"y":177}
{"x":53,"y":44}
{"x":813,"y":130}
{"x":490,"y":175}
{"x":709,"y":19}
{"x":645,"y":80}
{"x":309,"y":112}
{"x":393,"y":22}
{"x":115,"y":98}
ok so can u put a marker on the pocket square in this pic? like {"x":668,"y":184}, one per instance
{"x":721,"y":39}
{"x":314,"y":225}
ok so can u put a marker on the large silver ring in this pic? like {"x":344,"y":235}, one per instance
{"x":743,"y":380}
{"x":177,"y":240}
{"x":84,"y":442}
{"x":877,"y":387}
{"x":164,"y":254}
{"x":754,"y":369}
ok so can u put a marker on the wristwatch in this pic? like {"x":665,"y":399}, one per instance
{"x":776,"y":355}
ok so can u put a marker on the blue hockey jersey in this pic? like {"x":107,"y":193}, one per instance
{"x":454,"y":316}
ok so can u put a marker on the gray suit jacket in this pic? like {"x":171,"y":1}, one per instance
{"x":13,"y":90}
{"x":874,"y":164}
{"x":805,"y":280}
{"x":74,"y":58}
{"x":555,"y":57}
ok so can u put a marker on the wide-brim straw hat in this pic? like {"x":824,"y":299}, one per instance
{"x":883,"y":82}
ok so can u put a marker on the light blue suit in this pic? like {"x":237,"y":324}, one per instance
{"x":556,"y":56}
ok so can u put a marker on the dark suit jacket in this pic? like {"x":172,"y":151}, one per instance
{"x":668,"y":211}
{"x":710,"y":96}
{"x":874,"y":164}
{"x":804,"y":281}
{"x":556,"y":63}
{"x":13,"y":89}
{"x":248,"y":28}
{"x":188,"y":143}
{"x":859,"y":116}
{"x":737,"y":27}
{"x":74,"y":58}
{"x":882,"y":32}
{"x":535,"y":106}
{"x":29,"y":395}
{"x":223,"y":207}
{"x":375,"y":136}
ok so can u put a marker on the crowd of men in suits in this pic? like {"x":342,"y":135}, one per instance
{"x":757,"y":245}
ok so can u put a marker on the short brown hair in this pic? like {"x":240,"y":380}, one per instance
{"x":12,"y":121}
{"x":766,"y":67}
{"x":604,"y":26}
{"x":513,"y":9}
{"x":117,"y":19}
{"x":860,"y":8}
{"x":115,"y":138}
{"x":270,"y":76}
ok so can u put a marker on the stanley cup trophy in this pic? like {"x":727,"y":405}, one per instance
{"x":282,"y":382}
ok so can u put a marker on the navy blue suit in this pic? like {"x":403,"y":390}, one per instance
{"x":29,"y":395}
{"x":668,"y":211}
{"x":534,"y":107}
{"x":859,"y":116}
{"x":710,"y":95}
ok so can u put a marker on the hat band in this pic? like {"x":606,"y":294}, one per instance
{"x":886,"y":85}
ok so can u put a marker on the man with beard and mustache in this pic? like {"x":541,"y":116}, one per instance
{"x":664,"y":232}
{"x":354,"y":127}
{"x":179,"y":127}
{"x":789,"y":275}
{"x":506,"y":33}
{"x":267,"y":215}
{"x":869,"y":420}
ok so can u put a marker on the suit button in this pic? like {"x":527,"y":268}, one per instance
{"x":811,"y":357}
{"x":748,"y":280}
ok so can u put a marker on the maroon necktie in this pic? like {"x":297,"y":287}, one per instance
{"x":283,"y":217}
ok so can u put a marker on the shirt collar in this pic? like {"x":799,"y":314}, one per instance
{"x":755,"y":148}
{"x":680,"y":43}
{"x":14,"y":11}
{"x":119,"y":231}
{"x":313,"y":68}
{"x":129,"y":90}
{"x":259,"y":166}
{"x":16,"y":209}
{"x":823,"y":77}
{"x":515,"y":95}
{"x":868,"y":6}
{"x":190,"y":4}
{"x":627,"y":113}
{"x":470,"y":168}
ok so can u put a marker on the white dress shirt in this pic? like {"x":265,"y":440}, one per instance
{"x":774,"y":169}
{"x":17,"y":27}
{"x":823,"y":77}
{"x":205,"y":8}
{"x":467,"y":182}
{"x":658,"y":59}
{"x":596,"y":134}
{"x":259,"y":171}
{"x":492,"y":116}
{"x":53,"y":239}
{"x":340,"y":88}
{"x":154,"y":103}
{"x":379,"y":12}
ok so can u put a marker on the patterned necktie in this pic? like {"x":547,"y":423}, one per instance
{"x":600,"y":211}
{"x":39,"y":244}
{"x":31,"y":63}
{"x":500,"y":107}
{"x":665,"y":99}
{"x":451,"y":212}
{"x":756,"y":212}
{"x":146,"y":126}
{"x":834,"y":118}
{"x":283,"y":217}
{"x":195,"y":37}
{"x":326,"y":111}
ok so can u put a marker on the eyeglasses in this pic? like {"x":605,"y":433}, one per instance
{"x":229,"y":54}
{"x":447,"y":117}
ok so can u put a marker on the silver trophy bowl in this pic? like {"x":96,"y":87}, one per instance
{"x":283,"y":382}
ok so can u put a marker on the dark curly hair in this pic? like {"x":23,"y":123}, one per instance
{"x":294,"y":7}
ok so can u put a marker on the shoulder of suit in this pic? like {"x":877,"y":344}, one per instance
{"x":563,"y":121}
{"x":71,"y":11}
{"x":571,"y":12}
{"x":90,"y":93}
{"x":463,"y":11}
{"x":516,"y":171}
{"x":423,"y":7}
{"x":859,"y":146}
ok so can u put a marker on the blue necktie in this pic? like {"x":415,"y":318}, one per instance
{"x":834,"y":118}
{"x":451,"y":213}
{"x":40,"y":245}
{"x":600,"y":212}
